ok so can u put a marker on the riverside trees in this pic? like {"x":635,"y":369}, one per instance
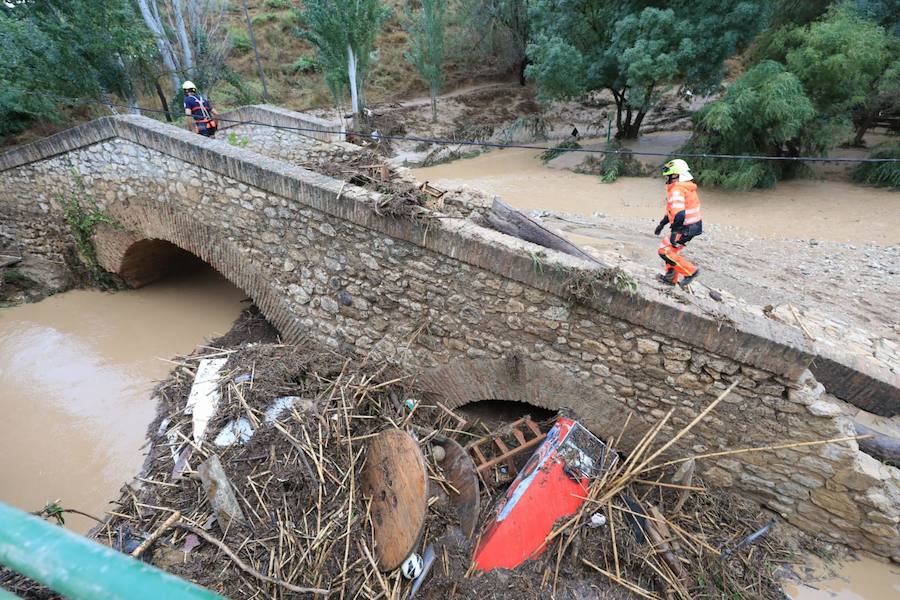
{"x":343,"y":32}
{"x":426,"y":45}
{"x":636,"y":49}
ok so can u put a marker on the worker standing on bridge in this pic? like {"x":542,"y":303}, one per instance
{"x":200,"y":112}
{"x":684,"y":221}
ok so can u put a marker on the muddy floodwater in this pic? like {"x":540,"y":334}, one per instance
{"x":801,"y":209}
{"x":76,"y":374}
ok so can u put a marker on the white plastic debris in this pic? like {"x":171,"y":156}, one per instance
{"x":204,"y":397}
{"x":279,"y":407}
{"x":237,"y":431}
{"x":597,"y":520}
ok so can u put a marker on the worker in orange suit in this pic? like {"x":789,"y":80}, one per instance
{"x":684,"y":221}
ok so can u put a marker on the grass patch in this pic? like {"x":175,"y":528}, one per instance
{"x":240,"y":40}
{"x":589,"y":286}
{"x":880,"y":174}
{"x":263,"y":18}
{"x":278,"y":4}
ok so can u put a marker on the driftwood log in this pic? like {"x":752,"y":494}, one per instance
{"x":880,"y":446}
{"x":508,"y":220}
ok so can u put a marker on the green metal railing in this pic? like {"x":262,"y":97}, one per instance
{"x":81,"y":569}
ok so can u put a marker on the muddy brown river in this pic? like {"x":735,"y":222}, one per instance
{"x":76,"y":374}
{"x":800,"y":209}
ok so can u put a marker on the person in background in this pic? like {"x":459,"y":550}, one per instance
{"x":684,"y":221}
{"x":200,"y":110}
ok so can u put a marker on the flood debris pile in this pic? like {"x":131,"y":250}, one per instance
{"x":280,"y":492}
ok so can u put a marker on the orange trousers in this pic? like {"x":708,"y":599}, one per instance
{"x":671,"y":255}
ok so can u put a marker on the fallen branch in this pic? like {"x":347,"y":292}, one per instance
{"x":173,"y":518}
{"x":245,"y":567}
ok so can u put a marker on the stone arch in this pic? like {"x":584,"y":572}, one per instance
{"x":149,"y":236}
{"x":538,"y":383}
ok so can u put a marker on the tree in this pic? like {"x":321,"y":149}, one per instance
{"x":764,"y":113}
{"x":503,"y":27}
{"x":343,"y":32}
{"x":848,"y":65}
{"x":636,"y":49}
{"x":66,"y":48}
{"x":426,"y":45}
{"x":190,"y":37}
{"x":259,"y":69}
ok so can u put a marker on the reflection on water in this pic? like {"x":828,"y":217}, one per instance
{"x":76,"y":371}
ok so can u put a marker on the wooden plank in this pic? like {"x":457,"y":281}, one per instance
{"x":396,"y":480}
{"x":508,"y":220}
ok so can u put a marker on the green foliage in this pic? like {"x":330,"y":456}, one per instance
{"x":233,"y":140}
{"x":240,"y":40}
{"x":838,"y":59}
{"x":849,"y":67}
{"x":304,"y":65}
{"x":426,"y":45}
{"x":238,"y":92}
{"x":72,"y":48}
{"x":278,"y":4}
{"x":558,"y":150}
{"x":336,"y":26}
{"x":636,"y":49}
{"x":881,"y":174}
{"x":496,"y":31}
{"x":616,"y":163}
{"x":83,"y":215}
{"x":263,"y":18}
{"x":765,"y":112}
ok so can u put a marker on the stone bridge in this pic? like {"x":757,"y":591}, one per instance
{"x":476,"y":314}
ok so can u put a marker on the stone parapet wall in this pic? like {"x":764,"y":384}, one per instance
{"x":476,"y":314}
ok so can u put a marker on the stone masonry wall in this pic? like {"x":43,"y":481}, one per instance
{"x":477,"y":314}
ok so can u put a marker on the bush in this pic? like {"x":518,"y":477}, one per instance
{"x":764,"y":113}
{"x":880,"y":174}
{"x":278,"y":4}
{"x":304,"y":65}
{"x":263,"y":18}
{"x":617,"y":163}
{"x":240,"y":40}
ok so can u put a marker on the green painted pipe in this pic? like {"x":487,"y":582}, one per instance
{"x":81,"y":569}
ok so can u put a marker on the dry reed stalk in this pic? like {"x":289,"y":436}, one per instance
{"x":624,"y":583}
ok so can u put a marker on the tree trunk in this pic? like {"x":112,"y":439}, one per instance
{"x":620,"y":100}
{"x":186,"y":52}
{"x":262,"y":75}
{"x":522,"y":64}
{"x":162,"y":100}
{"x":162,"y":43}
{"x":351,"y":74}
{"x":434,"y":93}
{"x":862,"y":128}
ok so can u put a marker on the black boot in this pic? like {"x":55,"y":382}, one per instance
{"x":687,"y":280}
{"x":668,"y":278}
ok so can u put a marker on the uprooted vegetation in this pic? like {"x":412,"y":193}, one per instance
{"x":306,"y":521}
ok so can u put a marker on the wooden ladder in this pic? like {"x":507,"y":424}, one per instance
{"x":492,"y":450}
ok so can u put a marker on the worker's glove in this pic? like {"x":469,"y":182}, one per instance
{"x":659,"y":229}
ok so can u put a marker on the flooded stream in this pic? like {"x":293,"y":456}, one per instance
{"x":801,"y":209}
{"x":76,"y":372}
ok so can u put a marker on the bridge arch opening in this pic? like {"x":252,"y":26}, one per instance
{"x":149,"y":260}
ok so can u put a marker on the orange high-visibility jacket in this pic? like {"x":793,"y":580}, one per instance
{"x":682,"y":196}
